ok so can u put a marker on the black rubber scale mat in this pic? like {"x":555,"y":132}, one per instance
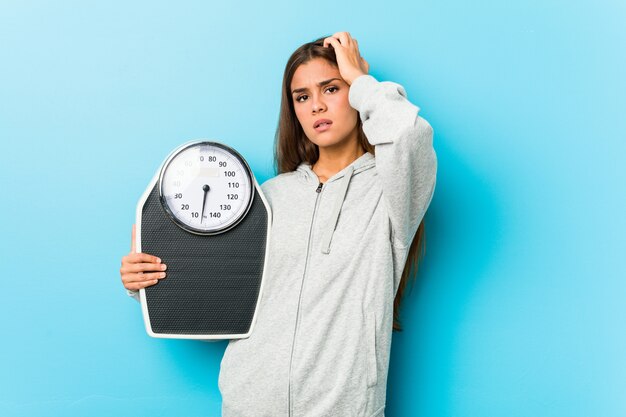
{"x":213,"y":282}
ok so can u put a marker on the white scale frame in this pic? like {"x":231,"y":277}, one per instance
{"x":142,"y":291}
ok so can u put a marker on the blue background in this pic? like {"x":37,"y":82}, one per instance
{"x":518,"y":308}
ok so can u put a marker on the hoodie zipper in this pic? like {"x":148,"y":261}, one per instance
{"x":308,"y":252}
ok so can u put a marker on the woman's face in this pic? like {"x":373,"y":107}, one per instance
{"x":318,"y":92}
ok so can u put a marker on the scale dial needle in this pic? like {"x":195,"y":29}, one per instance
{"x":206,"y":189}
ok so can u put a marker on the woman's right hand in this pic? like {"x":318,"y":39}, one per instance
{"x":140,"y":270}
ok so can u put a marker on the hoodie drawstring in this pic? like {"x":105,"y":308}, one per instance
{"x":330,"y":230}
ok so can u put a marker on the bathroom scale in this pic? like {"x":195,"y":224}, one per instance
{"x":205,"y":216}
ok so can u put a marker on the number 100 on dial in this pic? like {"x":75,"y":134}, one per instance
{"x":206,"y":187}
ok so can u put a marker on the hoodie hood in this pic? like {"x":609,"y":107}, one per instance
{"x":310,"y":178}
{"x":307,"y":176}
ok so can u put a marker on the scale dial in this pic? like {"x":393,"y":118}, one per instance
{"x":206,"y":187}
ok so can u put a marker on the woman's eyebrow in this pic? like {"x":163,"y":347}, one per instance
{"x":320,"y":84}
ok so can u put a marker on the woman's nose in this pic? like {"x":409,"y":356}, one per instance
{"x":318,"y":104}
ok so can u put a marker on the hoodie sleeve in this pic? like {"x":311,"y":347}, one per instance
{"x":405,"y":158}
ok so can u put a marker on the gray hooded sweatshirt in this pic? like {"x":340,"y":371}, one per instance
{"x":322,"y":339}
{"x":321,"y":344}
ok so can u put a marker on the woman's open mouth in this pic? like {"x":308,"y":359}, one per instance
{"x":322,"y":125}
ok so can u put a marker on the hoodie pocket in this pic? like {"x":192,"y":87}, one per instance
{"x":372,"y":363}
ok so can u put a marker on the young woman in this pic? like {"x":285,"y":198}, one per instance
{"x":357,"y":172}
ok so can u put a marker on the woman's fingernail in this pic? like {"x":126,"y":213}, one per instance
{"x":162,"y":275}
{"x":158,"y":260}
{"x":163,"y":267}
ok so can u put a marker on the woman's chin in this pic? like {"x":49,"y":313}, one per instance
{"x":326,"y":141}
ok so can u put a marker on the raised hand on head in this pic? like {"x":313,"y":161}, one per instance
{"x":351,"y":63}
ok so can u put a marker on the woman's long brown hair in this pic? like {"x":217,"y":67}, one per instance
{"x":292,"y":147}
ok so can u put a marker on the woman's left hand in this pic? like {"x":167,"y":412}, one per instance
{"x":351,"y":63}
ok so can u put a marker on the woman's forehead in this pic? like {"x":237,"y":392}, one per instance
{"x":312,"y":72}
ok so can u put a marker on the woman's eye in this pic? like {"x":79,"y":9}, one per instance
{"x":302,"y":96}
{"x":332,"y":88}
